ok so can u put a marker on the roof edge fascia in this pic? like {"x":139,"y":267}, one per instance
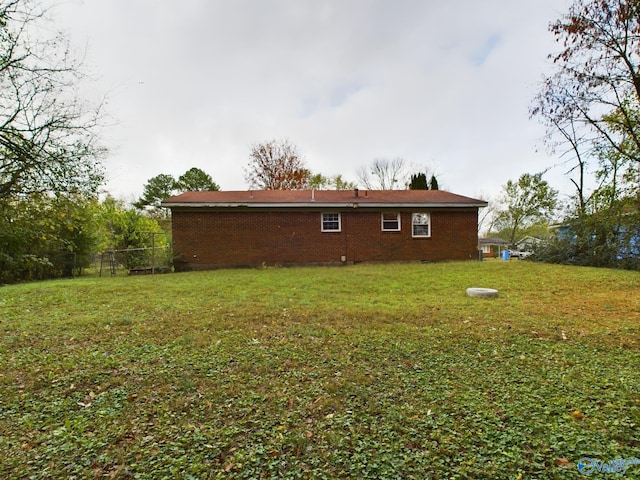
{"x":313,"y":204}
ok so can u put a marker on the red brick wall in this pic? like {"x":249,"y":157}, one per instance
{"x":209,"y":239}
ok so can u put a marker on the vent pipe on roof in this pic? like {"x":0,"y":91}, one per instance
{"x":355,"y":191}
{"x":313,"y":195}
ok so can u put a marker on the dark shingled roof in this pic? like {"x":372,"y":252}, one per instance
{"x":492,"y":241}
{"x":324,"y":198}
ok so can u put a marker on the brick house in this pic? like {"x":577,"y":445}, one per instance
{"x":287,"y":227}
{"x":492,"y":247}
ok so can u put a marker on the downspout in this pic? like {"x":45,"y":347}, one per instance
{"x":346,"y":238}
{"x":347,"y":255}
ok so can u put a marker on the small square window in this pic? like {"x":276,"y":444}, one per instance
{"x":420,"y":223}
{"x":390,"y":221}
{"x":330,"y":222}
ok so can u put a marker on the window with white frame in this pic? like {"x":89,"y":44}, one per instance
{"x":390,"y":221}
{"x":330,"y":222}
{"x":486,"y":248}
{"x":421,"y":225}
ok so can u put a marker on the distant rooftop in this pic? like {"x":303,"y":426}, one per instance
{"x":492,"y":241}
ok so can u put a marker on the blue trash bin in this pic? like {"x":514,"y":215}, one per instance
{"x":506,"y":255}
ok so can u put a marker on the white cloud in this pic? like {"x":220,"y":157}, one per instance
{"x":197,"y":82}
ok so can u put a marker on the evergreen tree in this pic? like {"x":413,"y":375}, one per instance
{"x":418,"y":182}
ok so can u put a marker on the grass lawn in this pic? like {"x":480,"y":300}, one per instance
{"x":368,"y":371}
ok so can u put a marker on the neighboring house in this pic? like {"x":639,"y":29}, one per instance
{"x":492,"y":247}
{"x":287,"y":227}
{"x":528,"y":244}
{"x":625,"y":243}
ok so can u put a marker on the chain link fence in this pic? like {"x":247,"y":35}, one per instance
{"x":133,"y":261}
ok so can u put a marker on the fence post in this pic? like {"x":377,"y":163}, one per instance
{"x":153,"y":253}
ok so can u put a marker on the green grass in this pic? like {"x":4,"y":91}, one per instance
{"x":385,"y":371}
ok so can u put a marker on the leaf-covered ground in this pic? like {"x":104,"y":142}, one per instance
{"x":384,"y":371}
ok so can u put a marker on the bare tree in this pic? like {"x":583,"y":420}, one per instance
{"x":277,"y":165}
{"x":48,"y":137}
{"x":384,"y":174}
{"x":580,"y":150}
{"x":594,"y":94}
{"x":487,"y":216}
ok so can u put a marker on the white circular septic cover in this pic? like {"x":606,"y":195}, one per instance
{"x":482,"y":292}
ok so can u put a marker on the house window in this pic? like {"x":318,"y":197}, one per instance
{"x":486,"y":249}
{"x":390,"y":222}
{"x":330,"y":222}
{"x":420,"y":223}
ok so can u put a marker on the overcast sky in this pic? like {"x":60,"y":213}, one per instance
{"x":195,"y":83}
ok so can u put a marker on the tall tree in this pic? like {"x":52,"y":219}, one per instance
{"x":127,"y":229}
{"x":580,"y":151}
{"x":418,"y":182}
{"x":487,"y":216}
{"x":591,"y":106}
{"x":594,"y":93}
{"x":433,"y":183}
{"x":163,"y":186}
{"x":195,"y":179}
{"x":48,"y":137}
{"x":524,"y":202}
{"x":156,"y":190}
{"x":384,"y":174}
{"x":336,"y":182}
{"x":46,"y":236}
{"x":277,"y":165}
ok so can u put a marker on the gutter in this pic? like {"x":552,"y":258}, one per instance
{"x":320,"y":205}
